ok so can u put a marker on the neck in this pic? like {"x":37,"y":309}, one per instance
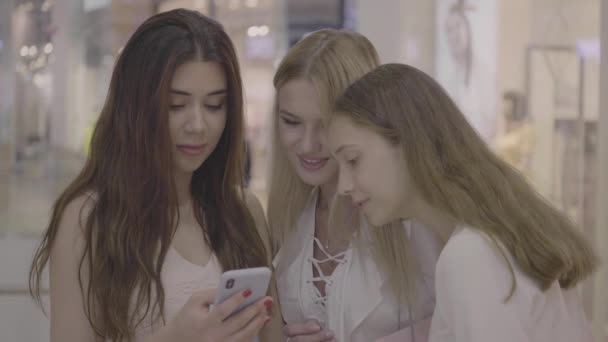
{"x":337,"y":236}
{"x":435,"y":220}
{"x":182,"y":187}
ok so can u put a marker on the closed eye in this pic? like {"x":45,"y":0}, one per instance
{"x":176,"y":107}
{"x":214,"y":108}
{"x":289,"y":121}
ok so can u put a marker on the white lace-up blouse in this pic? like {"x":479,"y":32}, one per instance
{"x":358,"y":305}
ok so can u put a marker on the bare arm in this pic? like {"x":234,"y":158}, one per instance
{"x":68,"y":320}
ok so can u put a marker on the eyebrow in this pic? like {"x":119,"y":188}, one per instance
{"x":217,"y":92}
{"x":283,"y":111}
{"x":185,"y":93}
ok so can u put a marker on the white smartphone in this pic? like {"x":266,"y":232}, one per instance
{"x":232,"y":282}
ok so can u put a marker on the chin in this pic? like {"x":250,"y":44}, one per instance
{"x":377,"y":220}
{"x":315,"y":178}
{"x":314,"y":181}
{"x":189,"y":167}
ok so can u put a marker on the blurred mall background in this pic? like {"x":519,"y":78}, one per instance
{"x":527,"y":72}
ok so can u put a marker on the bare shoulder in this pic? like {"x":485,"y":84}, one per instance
{"x":75,"y":214}
{"x":69,"y":243}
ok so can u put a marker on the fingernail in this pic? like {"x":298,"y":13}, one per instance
{"x":268,"y":304}
{"x":247,"y":293}
{"x":266,"y":320}
{"x":329,"y":334}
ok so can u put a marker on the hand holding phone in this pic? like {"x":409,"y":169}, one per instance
{"x":254,"y":279}
{"x":196,"y":323}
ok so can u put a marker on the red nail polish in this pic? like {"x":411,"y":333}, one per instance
{"x":247,"y":293}
{"x":268,"y":304}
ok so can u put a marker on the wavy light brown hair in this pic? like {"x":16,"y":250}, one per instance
{"x":457,"y":173}
{"x":133,"y":211}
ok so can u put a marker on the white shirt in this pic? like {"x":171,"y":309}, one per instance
{"x":360,"y":306}
{"x":472,"y":282}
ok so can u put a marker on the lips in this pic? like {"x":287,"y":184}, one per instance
{"x":312,"y":164}
{"x":192,"y":150}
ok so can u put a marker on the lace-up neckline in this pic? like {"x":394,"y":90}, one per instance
{"x":326,"y":279}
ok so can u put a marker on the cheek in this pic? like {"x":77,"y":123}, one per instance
{"x":397,"y":180}
{"x":374,"y":181}
{"x":325,"y":145}
{"x":174,"y":127}
{"x":288,"y":135}
{"x":332,"y":167}
{"x":218,"y":123}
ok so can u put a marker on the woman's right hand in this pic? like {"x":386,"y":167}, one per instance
{"x":195,"y":322}
{"x":307,"y":331}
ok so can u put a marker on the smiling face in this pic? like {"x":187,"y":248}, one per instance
{"x":197,"y":113}
{"x":302,"y":134}
{"x":372,"y":171}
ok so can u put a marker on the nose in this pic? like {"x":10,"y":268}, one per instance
{"x":196,"y":120}
{"x":345,"y":182}
{"x":311,"y":141}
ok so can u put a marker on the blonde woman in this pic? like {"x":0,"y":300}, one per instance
{"x":337,"y":281}
{"x":512,"y":261}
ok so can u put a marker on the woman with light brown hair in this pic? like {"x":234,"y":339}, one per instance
{"x":337,"y":280}
{"x":138,"y":241}
{"x":512,"y":261}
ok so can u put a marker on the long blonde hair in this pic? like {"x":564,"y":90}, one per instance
{"x":331,"y":60}
{"x":457,"y":173}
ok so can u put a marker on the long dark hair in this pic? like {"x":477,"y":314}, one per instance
{"x":132,"y":214}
